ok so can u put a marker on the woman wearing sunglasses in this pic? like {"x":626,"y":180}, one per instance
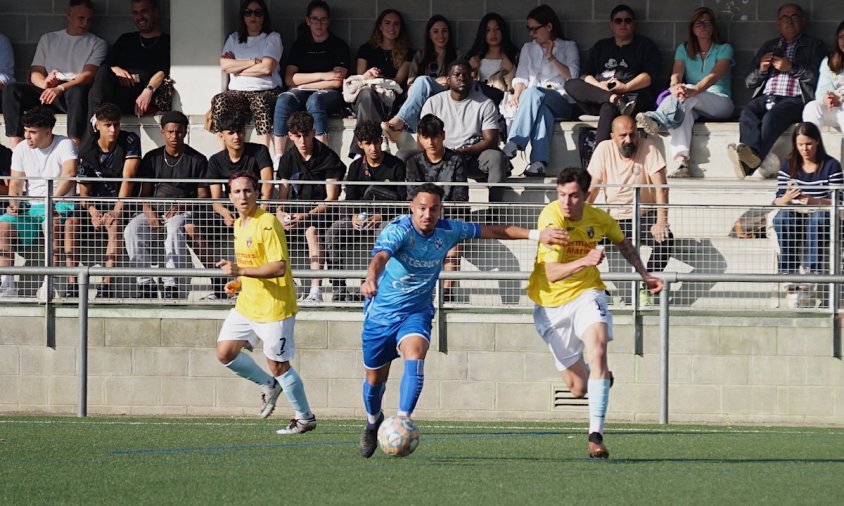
{"x":250,"y":58}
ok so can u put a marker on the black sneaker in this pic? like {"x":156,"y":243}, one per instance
{"x":369,"y":437}
{"x":172,"y":292}
{"x":105,"y":291}
{"x":71,"y":291}
{"x":597,"y":450}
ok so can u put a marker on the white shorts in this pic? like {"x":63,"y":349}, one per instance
{"x":277,"y":337}
{"x":563,"y":326}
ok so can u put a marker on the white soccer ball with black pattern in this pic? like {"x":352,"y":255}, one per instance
{"x":398,"y":436}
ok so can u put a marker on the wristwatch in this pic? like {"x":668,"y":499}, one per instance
{"x":150,"y":88}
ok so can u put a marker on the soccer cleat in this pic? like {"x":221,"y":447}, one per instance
{"x":268,"y":397}
{"x":369,"y":437}
{"x":597,"y":450}
{"x":647,"y":123}
{"x":299,"y":426}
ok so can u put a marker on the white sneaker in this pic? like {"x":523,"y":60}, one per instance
{"x":9,"y":291}
{"x":268,"y":398}
{"x":299,"y":426}
{"x":681,"y":171}
{"x":648,"y":124}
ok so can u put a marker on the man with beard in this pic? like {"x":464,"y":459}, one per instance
{"x":625,"y":159}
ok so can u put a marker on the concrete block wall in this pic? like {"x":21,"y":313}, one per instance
{"x":160,"y":362}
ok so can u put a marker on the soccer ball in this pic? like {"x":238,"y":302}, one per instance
{"x":398,"y":436}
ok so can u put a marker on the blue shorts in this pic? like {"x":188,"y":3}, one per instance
{"x":29,"y":221}
{"x":381,"y":339}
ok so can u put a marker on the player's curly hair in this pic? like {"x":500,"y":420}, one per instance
{"x":368,"y":131}
{"x":577,"y":175}
{"x":39,"y":117}
{"x":300,"y":122}
{"x":426,"y":188}
{"x":248,"y":175}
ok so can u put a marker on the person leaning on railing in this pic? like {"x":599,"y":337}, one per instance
{"x":803,"y":187}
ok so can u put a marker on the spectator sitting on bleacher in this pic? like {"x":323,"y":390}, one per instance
{"x":7,"y":65}
{"x":316,"y":67}
{"x":62,"y":71}
{"x":539,"y":95}
{"x":627,"y":160}
{"x":439,"y":164}
{"x":828,"y":106}
{"x":470,"y":122}
{"x":427,"y":76}
{"x":386,"y":55}
{"x":237,"y":156}
{"x":43,"y":155}
{"x":111,"y":153}
{"x":250,"y":58}
{"x":804,"y":180}
{"x":134,"y":75}
{"x":310,"y":161}
{"x":176,"y":221}
{"x":699,"y":85}
{"x":361,"y":224}
{"x":617,"y":77}
{"x":784,"y":75}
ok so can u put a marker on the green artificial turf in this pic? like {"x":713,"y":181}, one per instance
{"x":231,"y":461}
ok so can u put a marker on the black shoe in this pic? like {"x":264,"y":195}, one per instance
{"x":172,"y":292}
{"x":369,"y":438}
{"x":71,"y":291}
{"x":105,"y":291}
{"x":354,"y":297}
{"x":626,"y":105}
{"x":535,"y":169}
{"x":148,"y":291}
{"x":597,"y":450}
{"x":339,"y":294}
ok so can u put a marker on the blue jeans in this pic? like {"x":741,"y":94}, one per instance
{"x":806,"y":233}
{"x":422,"y":89}
{"x":670,"y":113}
{"x":319,"y":103}
{"x":534,"y":121}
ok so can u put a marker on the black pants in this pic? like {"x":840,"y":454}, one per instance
{"x":660,"y":252}
{"x":596,"y":101}
{"x":760,"y":127}
{"x":20,"y":97}
{"x":368,"y":106}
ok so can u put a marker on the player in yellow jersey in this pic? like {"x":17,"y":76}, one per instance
{"x":571,"y":306}
{"x":266,"y":307}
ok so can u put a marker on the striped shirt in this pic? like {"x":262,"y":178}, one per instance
{"x":815,"y":184}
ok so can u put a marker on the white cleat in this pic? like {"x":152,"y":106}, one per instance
{"x":299,"y":426}
{"x":268,"y":398}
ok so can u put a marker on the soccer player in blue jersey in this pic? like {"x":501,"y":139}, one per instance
{"x":407,"y":259}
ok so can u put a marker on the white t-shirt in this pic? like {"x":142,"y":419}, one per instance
{"x":69,"y":53}
{"x":266,"y":44}
{"x":488,"y":67}
{"x":41,"y":163}
{"x":465,"y":120}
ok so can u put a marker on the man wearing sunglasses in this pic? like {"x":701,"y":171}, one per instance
{"x":617,"y":76}
{"x":783,"y":75}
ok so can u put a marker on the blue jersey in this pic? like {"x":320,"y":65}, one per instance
{"x":407,"y":283}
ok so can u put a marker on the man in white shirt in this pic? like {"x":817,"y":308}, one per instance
{"x":471,"y":128}
{"x":61,"y":74}
{"x":43,"y":155}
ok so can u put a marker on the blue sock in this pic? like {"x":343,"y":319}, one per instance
{"x":599,"y":396}
{"x":372,"y":396}
{"x":294,"y":390}
{"x":411,"y":386}
{"x":245,"y":367}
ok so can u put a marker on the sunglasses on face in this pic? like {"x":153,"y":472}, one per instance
{"x":794,"y":18}
{"x":704,"y":23}
{"x":258,"y":13}
{"x":623,"y":21}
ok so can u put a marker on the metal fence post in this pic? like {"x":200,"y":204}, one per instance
{"x":638,"y":338}
{"x":663,"y":368}
{"x":834,"y":297}
{"x":49,"y":307}
{"x":82,"y":409}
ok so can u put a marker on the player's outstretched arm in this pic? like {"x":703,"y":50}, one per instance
{"x":550,"y":236}
{"x":557,"y":271}
{"x":369,"y":287}
{"x":629,"y":252}
{"x":268,"y":270}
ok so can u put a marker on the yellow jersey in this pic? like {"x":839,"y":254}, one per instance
{"x":584,"y":235}
{"x":257,"y":242}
